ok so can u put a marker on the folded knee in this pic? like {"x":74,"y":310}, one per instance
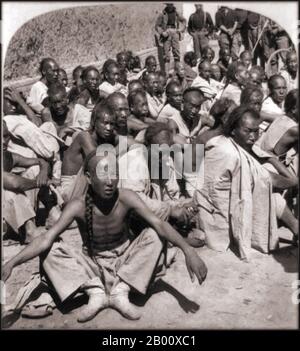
{"x":150,"y":236}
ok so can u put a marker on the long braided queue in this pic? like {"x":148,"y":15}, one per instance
{"x":89,"y":220}
{"x":89,"y":209}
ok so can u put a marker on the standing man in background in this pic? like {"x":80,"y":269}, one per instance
{"x":200,"y":26}
{"x":255,"y":26}
{"x":281,"y":38}
{"x":227,"y":23}
{"x":167,"y":26}
{"x":240,"y":32}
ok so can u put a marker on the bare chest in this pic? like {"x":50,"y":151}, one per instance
{"x":111,"y":223}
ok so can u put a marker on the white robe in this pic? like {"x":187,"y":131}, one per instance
{"x":134,"y":174}
{"x":236,"y":200}
{"x":38,"y":93}
{"x":109,"y":88}
{"x":269,"y":106}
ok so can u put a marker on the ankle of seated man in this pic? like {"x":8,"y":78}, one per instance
{"x":119,"y":300}
{"x":98,"y":301}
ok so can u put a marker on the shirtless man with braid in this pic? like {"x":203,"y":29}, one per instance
{"x":109,"y":264}
{"x":103,"y":130}
{"x":103,"y":122}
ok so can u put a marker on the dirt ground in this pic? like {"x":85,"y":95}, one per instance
{"x":235,"y":295}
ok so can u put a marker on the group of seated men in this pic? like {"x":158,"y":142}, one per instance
{"x":125,"y":207}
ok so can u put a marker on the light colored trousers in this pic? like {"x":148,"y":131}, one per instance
{"x":17,"y":209}
{"x":172,"y":42}
{"x":135,"y":263}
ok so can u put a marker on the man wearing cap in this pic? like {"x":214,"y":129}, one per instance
{"x":200,"y":25}
{"x":167,"y":26}
{"x":227,"y":23}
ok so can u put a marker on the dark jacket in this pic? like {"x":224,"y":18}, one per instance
{"x":162,"y":21}
{"x":207,"y":22}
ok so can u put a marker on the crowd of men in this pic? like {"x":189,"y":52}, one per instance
{"x":244,"y":189}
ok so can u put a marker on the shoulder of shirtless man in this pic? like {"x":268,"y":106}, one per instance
{"x":125,"y":198}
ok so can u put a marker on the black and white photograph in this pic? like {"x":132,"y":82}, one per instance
{"x":150,"y":166}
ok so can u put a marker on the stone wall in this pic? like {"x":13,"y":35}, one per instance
{"x":80,"y":35}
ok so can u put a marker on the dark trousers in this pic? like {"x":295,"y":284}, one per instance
{"x":259,"y":52}
{"x":200,"y":41}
